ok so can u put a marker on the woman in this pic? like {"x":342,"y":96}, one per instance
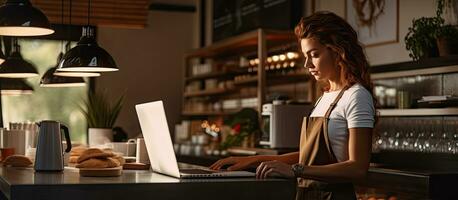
{"x":335,"y":142}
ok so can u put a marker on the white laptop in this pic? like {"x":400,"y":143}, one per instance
{"x":153,"y":123}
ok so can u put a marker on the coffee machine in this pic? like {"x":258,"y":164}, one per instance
{"x":281,"y":124}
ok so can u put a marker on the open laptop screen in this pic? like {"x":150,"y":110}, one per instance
{"x":153,"y":123}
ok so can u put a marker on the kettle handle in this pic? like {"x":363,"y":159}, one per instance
{"x":67,"y":137}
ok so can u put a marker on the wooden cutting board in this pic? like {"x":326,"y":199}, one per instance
{"x":101,"y":172}
{"x":136,"y":166}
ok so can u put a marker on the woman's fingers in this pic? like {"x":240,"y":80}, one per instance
{"x":271,"y":169}
{"x":238,"y":166}
{"x":226,"y":161}
{"x":220,"y":163}
{"x":215,"y":165}
{"x":262,"y":169}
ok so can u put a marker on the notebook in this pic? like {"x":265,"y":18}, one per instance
{"x":153,"y":123}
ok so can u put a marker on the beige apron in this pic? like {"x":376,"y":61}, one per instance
{"x":315,"y":149}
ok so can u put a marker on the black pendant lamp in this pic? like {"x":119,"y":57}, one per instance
{"x":51,"y":80}
{"x":67,"y":48}
{"x":15,"y":66}
{"x":76,"y":74}
{"x":20,"y":18}
{"x":14,"y":86}
{"x":87,"y":56}
{"x":2,"y":56}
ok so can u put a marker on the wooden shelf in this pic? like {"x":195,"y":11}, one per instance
{"x":206,"y":92}
{"x":287,"y":78}
{"x":427,"y":66}
{"x":209,"y":75}
{"x":276,"y":79}
{"x":204,"y":113}
{"x":222,"y":74}
{"x":247,"y":81}
{"x":418,"y":112}
{"x":258,"y":44}
{"x":247,"y":40}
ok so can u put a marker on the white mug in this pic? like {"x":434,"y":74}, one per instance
{"x":15,"y":139}
{"x":142,"y":154}
{"x":126,"y":148}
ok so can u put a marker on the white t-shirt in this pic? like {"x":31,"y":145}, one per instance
{"x":354,"y":110}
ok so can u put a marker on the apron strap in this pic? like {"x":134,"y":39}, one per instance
{"x":334,"y":103}
{"x":326,"y":120}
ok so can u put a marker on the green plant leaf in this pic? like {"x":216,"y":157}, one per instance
{"x":98,"y":110}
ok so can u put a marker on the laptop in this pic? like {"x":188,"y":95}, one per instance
{"x":153,"y":123}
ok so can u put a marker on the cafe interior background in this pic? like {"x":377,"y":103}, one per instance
{"x":203,"y":59}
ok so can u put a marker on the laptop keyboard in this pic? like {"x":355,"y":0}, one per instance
{"x":196,"y":171}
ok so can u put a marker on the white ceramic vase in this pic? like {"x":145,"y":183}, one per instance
{"x":100,"y":136}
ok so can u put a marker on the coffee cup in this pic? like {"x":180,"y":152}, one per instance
{"x":5,"y":152}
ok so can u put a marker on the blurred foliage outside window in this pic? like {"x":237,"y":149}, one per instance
{"x":45,"y":103}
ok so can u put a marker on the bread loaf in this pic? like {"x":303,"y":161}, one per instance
{"x":77,"y":151}
{"x":93,"y":153}
{"x":17,"y":161}
{"x":99,"y":163}
{"x":120,"y":159}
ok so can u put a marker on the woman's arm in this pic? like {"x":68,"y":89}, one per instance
{"x":359,"y":149}
{"x":359,"y":152}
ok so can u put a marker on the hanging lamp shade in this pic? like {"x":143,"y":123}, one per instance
{"x":2,"y":56}
{"x":51,"y":80}
{"x":20,"y":18}
{"x":76,"y":74}
{"x":87,"y":56}
{"x":16,"y":67}
{"x":14,"y":86}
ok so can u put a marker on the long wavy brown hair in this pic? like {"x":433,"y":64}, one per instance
{"x":336,"y":34}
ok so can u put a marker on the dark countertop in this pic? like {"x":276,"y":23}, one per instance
{"x":419,"y":183}
{"x":24,"y":183}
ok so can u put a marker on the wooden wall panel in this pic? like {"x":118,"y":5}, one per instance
{"x":107,"y":13}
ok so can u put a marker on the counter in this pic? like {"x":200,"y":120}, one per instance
{"x":412,"y":183}
{"x":24,"y":183}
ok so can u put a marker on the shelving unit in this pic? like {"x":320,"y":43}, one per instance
{"x":418,"y":112}
{"x":276,"y":79}
{"x":424,"y":67}
{"x":429,"y":66}
{"x":206,"y":92}
{"x":226,"y":74}
{"x":197,"y":114}
{"x":257,"y":44}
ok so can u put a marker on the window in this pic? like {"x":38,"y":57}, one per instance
{"x":60,"y":104}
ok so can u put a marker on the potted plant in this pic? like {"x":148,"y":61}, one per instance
{"x":421,"y":37}
{"x":101,"y":116}
{"x":447,"y":40}
{"x":244,"y":126}
{"x":446,"y":34}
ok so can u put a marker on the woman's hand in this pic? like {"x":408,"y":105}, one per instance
{"x":237,"y":163}
{"x":274,"y":169}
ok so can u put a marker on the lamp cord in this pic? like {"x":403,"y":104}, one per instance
{"x":88,"y":12}
{"x":62,"y":20}
{"x":67,"y":46}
